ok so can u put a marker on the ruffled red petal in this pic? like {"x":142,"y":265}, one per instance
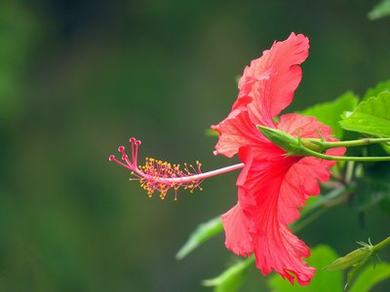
{"x":265,"y":89}
{"x":271,"y":80}
{"x":235,"y":131}
{"x":237,"y":236}
{"x":275,"y":247}
{"x":272,"y":189}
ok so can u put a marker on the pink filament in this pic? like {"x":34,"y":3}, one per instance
{"x":161,"y":176}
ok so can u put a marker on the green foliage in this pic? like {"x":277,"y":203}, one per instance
{"x":378,"y":88}
{"x":330,"y":112}
{"x":371,"y":116}
{"x":383,"y":86}
{"x":324,"y":281}
{"x":371,"y":276}
{"x":380,"y":10}
{"x":231,"y":279}
{"x":204,"y":232}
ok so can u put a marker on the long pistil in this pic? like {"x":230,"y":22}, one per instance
{"x":161,"y":176}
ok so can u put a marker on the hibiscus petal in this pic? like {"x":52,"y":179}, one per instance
{"x":275,"y":247}
{"x":237,"y":226}
{"x":305,"y":127}
{"x":237,"y":223}
{"x":235,"y":131}
{"x":301,"y":181}
{"x":272,"y":188}
{"x":270,"y":81}
{"x":266,"y":87}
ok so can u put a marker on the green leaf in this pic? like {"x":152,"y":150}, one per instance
{"x":323,"y":281}
{"x":203,"y":233}
{"x":371,"y":116}
{"x":374,"y":91}
{"x":380,"y":10}
{"x":231,"y":279}
{"x":330,"y":112}
{"x":371,"y":276}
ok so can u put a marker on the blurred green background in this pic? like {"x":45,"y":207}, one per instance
{"x":79,"y":77}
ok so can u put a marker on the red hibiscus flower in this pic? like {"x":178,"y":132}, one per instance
{"x":273,"y":185}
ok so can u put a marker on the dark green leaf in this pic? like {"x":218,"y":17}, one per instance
{"x":324,"y":281}
{"x":371,"y":116}
{"x":374,"y":91}
{"x":380,"y":10}
{"x":330,"y":112}
{"x":204,"y":232}
{"x":231,"y":279}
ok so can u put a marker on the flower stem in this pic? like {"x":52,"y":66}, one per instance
{"x":381,"y":244}
{"x":345,"y":158}
{"x":314,"y":147}
{"x":352,"y":143}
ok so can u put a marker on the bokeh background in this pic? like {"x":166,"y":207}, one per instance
{"x":79,"y":77}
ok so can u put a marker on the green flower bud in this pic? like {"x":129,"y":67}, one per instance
{"x":353,"y":258}
{"x":292,"y":145}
